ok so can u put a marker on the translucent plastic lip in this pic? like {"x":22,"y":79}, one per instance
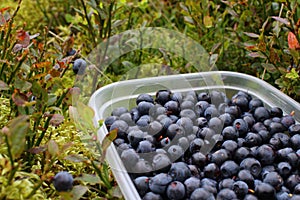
{"x":104,"y":100}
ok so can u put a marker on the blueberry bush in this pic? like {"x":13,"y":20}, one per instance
{"x":42,"y":49}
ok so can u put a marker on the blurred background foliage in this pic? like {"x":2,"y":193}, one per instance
{"x":257,"y":37}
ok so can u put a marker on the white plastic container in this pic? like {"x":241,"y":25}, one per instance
{"x":123,"y":93}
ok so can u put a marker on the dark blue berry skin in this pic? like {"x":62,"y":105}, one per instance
{"x":199,"y":159}
{"x":274,"y":179}
{"x":161,"y":163}
{"x":284,"y":169}
{"x":230,"y":146}
{"x":129,"y":158}
{"x":145,"y":147}
{"x":152,"y":196}
{"x":287,"y":121}
{"x":240,"y":188}
{"x":265,"y":191}
{"x":163,"y":96}
{"x":142,"y":185}
{"x":226,"y":194}
{"x":119,"y":111}
{"x":177,"y":96}
{"x":241,"y":101}
{"x":245,"y":176}
{"x":200,"y":107}
{"x":283,"y":196}
{"x":180,"y":171}
{"x":121,"y":127}
{"x":294,"y":129}
{"x":265,"y":154}
{"x":159,"y":183}
{"x":187,"y":125}
{"x":211,"y":112}
{"x":135,"y":137}
{"x":276,"y":112}
{"x":144,"y":107}
{"x":176,"y":191}
{"x":201,"y":194}
{"x":276,"y":127}
{"x":188,"y":113}
{"x":219,"y":157}
{"x":241,"y":127}
{"x":241,"y":153}
{"x":204,"y":96}
{"x":144,"y":97}
{"x":187,"y":105}
{"x":175,"y":152}
{"x":195,"y":145}
{"x":63,"y":181}
{"x":255,"y":103}
{"x":172,"y":107}
{"x":211,"y":171}
{"x":175,"y":130}
{"x":253,"y":139}
{"x":295,"y":141}
{"x":250,"y":197}
{"x":109,"y":121}
{"x":234,"y":111}
{"x":226,"y":183}
{"x":226,"y":118}
{"x":79,"y":66}
{"x":261,"y":114}
{"x":252,"y":165}
{"x":191,"y":184}
{"x":292,"y":181}
{"x":229,"y":169}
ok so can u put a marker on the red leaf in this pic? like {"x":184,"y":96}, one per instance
{"x":292,"y":41}
{"x":4,"y":9}
{"x":19,"y":98}
{"x":23,"y":38}
{"x":56,"y":119}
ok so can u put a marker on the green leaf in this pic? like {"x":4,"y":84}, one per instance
{"x":83,"y":116}
{"x":18,"y":129}
{"x":269,"y":67}
{"x":108,"y":139}
{"x":256,"y":55}
{"x":188,"y":20}
{"x":53,"y":148}
{"x":89,"y":178}
{"x":292,"y":75}
{"x":253,"y":35}
{"x":3,"y":86}
{"x":78,"y":191}
{"x":75,"y":158}
{"x":22,"y":85}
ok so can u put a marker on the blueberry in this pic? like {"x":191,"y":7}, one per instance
{"x":129,"y":157}
{"x":240,"y":188}
{"x":226,"y":118}
{"x":245,"y":176}
{"x":201,"y":194}
{"x":230,"y":146}
{"x":211,"y":112}
{"x":204,"y":96}
{"x":152,"y":196}
{"x":287,"y":121}
{"x":159,"y":183}
{"x":265,"y":191}
{"x":175,"y":130}
{"x":172,"y":107}
{"x":241,"y":127}
{"x":234,"y":111}
{"x":121,"y":127}
{"x":109,"y":121}
{"x":241,"y":153}
{"x":230,"y":133}
{"x":161,"y":163}
{"x":226,"y":183}
{"x":63,"y":181}
{"x":79,"y":66}
{"x":252,"y":165}
{"x":284,"y":169}
{"x":188,"y":113}
{"x":255,"y":103}
{"x":177,"y":96}
{"x":226,"y":194}
{"x":163,"y":96}
{"x":144,"y":97}
{"x":261,"y":114}
{"x":276,"y":127}
{"x":294,"y":129}
{"x":200,"y":107}
{"x":229,"y":169}
{"x":258,"y":126}
{"x":145,"y":147}
{"x":176,"y":191}
{"x":274,"y":179}
{"x":211,"y":171}
{"x":143,"y":122}
{"x":292,"y":181}
{"x":187,"y":105}
{"x":175,"y":152}
{"x":191,"y":184}
{"x":199,"y":159}
{"x":295,"y":141}
{"x":135,"y":137}
{"x":241,"y":101}
{"x":187,"y":124}
{"x":180,"y":171}
{"x":253,"y":139}
{"x":195,"y":145}
{"x":144,"y":107}
{"x":250,"y":197}
{"x":265,"y":154}
{"x":119,"y":111}
{"x":142,"y":184}
{"x":276,"y":112}
{"x":219,"y":157}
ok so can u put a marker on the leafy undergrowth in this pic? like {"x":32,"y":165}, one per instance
{"x":39,"y":137}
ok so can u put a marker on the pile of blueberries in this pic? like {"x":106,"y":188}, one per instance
{"x":205,"y":145}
